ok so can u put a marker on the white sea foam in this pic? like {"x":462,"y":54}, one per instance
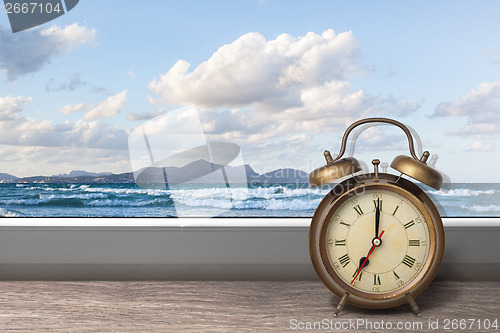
{"x":462,"y":192}
{"x":482,"y":209}
{"x":72,"y":188}
{"x":8,"y":213}
{"x":84,"y":196}
{"x":28,"y":202}
{"x":272,"y":204}
{"x":293,"y":205}
{"x":50,"y":189}
{"x":152,"y":192}
{"x":242,"y":193}
{"x":266,"y":198}
{"x":275,"y":192}
{"x":125,"y":203}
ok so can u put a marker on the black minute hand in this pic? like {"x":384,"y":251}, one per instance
{"x":377,"y":217}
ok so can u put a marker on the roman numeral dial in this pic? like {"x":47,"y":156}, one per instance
{"x":376,"y":280}
{"x":409,"y":261}
{"x":409,"y":224}
{"x":414,"y":242}
{"x":344,"y":260}
{"x":375,"y":204}
{"x":396,"y":260}
{"x":340,"y":242}
{"x":358,"y":210}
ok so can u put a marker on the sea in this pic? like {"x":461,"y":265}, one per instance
{"x":203,"y":200}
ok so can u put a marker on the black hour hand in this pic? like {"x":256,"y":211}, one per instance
{"x":361,"y":261}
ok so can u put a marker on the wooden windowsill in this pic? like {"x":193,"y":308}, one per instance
{"x":222,"y":306}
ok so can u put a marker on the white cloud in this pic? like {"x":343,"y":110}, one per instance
{"x":481,"y":146}
{"x":381,"y":138}
{"x":18,"y":130}
{"x":95,"y":134}
{"x":485,"y":98}
{"x":70,"y":36}
{"x":29,"y":51}
{"x":481,"y":106}
{"x":277,"y":87}
{"x":72,"y":108}
{"x":265,"y":95}
{"x":10,"y":107}
{"x":107,"y":108}
{"x":479,"y":129}
{"x":252,"y":70}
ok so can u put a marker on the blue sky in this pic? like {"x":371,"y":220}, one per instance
{"x":72,"y":89}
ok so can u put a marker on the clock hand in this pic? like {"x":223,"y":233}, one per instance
{"x":377,"y":217}
{"x":368,"y":256}
{"x":362,"y":260}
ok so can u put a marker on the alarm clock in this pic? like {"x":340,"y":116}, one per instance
{"x":376,"y":240}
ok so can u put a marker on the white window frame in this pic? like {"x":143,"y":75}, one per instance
{"x":199,"y":248}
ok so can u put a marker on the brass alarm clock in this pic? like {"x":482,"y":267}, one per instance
{"x":376,"y":240}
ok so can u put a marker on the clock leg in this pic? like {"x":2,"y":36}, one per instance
{"x":342,"y":302}
{"x":414,"y":306}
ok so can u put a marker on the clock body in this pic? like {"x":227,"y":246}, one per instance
{"x":343,"y":231}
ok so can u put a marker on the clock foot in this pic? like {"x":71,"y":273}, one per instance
{"x":342,"y":302}
{"x":414,"y":306}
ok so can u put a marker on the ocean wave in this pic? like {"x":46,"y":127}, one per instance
{"x":151,"y":192}
{"x":462,"y":192}
{"x":482,"y":209}
{"x":76,"y":202}
{"x":275,"y":192}
{"x":83,"y":196}
{"x":20,"y":202}
{"x":243,"y":193}
{"x":293,"y":204}
{"x":272,"y":204}
{"x":62,"y":202}
{"x":9,"y":213}
{"x":48,"y":189}
{"x":127,"y":203}
{"x":72,"y":187}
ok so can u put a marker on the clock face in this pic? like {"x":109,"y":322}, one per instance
{"x":396,"y":257}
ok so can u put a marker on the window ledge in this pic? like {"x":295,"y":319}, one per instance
{"x":200,"y":249}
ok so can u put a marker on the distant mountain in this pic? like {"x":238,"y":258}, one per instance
{"x":80,"y":173}
{"x":7,"y":177}
{"x":127,"y":177}
{"x":283,"y":176}
{"x":202,"y":171}
{"x":199,"y":171}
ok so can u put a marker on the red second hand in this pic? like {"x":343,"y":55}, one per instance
{"x":364,"y":262}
